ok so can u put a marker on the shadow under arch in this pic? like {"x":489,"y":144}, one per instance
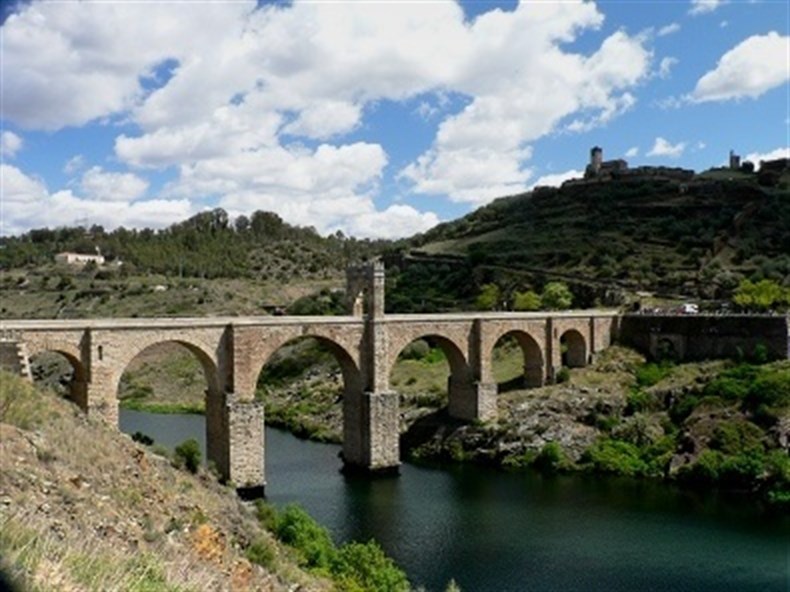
{"x":533,"y":369}
{"x":45,"y":361}
{"x":573,"y":349}
{"x":352,"y":389}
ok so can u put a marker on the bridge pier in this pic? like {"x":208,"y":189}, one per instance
{"x":471,"y":400}
{"x":235,"y":442}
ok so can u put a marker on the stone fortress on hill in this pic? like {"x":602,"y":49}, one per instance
{"x":599,"y":170}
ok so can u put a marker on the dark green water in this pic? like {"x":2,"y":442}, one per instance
{"x":503,"y":532}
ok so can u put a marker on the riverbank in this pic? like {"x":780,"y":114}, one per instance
{"x":716,"y":424}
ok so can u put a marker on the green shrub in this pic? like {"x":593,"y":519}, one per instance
{"x":266,"y":514}
{"x":650,"y":374}
{"x":682,"y":408}
{"x":142,"y":438}
{"x":416,"y":350}
{"x":614,"y":456}
{"x":771,"y":388}
{"x":705,"y":470}
{"x":365,"y":567}
{"x":551,"y":458}
{"x":187,"y":455}
{"x":638,"y":401}
{"x":296,"y":528}
{"x":563,"y":375}
{"x":261,"y":552}
{"x":737,"y":437}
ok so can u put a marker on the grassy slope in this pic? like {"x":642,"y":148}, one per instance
{"x":623,"y":235}
{"x":82,"y":507}
{"x":58,"y":292}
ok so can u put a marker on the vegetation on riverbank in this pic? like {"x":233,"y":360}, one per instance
{"x":717,"y":424}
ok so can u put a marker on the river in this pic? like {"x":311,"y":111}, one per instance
{"x":511,"y":532}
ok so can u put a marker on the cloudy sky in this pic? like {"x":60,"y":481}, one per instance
{"x":379,"y":117}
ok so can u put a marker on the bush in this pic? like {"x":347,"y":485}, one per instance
{"x":261,"y":552}
{"x":142,"y":438}
{"x":364,"y":566}
{"x":416,"y":350}
{"x":296,"y":528}
{"x":614,"y":456}
{"x":650,"y":374}
{"x":551,"y":458}
{"x":638,"y":401}
{"x":737,"y":437}
{"x":563,"y":375}
{"x":187,"y":455}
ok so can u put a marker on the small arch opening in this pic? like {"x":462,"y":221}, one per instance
{"x":573,"y":349}
{"x":517,"y":362}
{"x":164,"y":390}
{"x":426,"y":373}
{"x":62,"y":373}
{"x":307,"y":385}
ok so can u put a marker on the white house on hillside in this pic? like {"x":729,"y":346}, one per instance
{"x":79,"y":258}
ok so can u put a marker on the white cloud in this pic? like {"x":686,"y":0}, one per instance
{"x":668,"y":29}
{"x":104,"y":186}
{"x":27,"y":203}
{"x":632,"y":152}
{"x":665,"y":66}
{"x":753,"y":67}
{"x":74,"y":164}
{"x":756,"y":157}
{"x":67,"y":64}
{"x":662,"y":147}
{"x":396,"y":221}
{"x":704,"y":6}
{"x":10,"y":144}
{"x":247,"y":84}
{"x":557,"y":179}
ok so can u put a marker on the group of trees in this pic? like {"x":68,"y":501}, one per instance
{"x":555,"y":296}
{"x":209,"y":244}
{"x":761,"y":296}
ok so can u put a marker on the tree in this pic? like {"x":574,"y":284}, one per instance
{"x":529,"y":300}
{"x":760,"y":296}
{"x":488,"y":298}
{"x":556,"y":296}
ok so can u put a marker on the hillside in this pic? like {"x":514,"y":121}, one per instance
{"x":84,"y":507}
{"x":607,"y":240}
{"x":648,"y":238}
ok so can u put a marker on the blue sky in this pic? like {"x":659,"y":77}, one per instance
{"x":376,"y":118}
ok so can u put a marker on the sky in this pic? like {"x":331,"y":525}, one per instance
{"x":378,"y":118}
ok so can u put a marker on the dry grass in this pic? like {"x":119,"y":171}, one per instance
{"x":82,"y":507}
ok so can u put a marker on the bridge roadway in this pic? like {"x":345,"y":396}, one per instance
{"x":233,"y":350}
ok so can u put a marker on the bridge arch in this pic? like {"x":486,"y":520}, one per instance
{"x":459,"y":382}
{"x":352,"y":377}
{"x":534,"y":362}
{"x":213,"y":394}
{"x":78,"y":384}
{"x":573,"y":349}
{"x":352,"y":385}
{"x":200,"y":351}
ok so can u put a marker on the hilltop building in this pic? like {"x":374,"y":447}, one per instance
{"x":601,"y":169}
{"x":79,"y":259}
{"x":735,"y":161}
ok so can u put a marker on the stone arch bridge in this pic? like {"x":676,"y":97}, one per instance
{"x":233,"y":351}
